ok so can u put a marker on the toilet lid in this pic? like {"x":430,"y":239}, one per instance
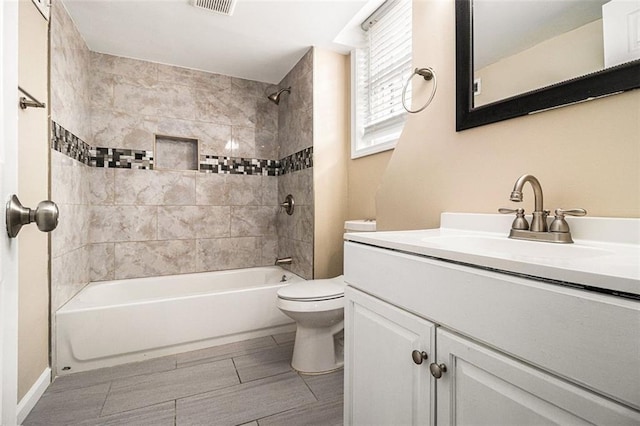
{"x":313,"y":290}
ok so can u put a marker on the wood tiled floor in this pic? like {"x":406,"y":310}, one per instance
{"x":244,"y":383}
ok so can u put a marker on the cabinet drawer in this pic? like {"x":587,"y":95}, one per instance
{"x":588,"y":338}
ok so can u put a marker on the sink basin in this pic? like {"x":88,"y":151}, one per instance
{"x":506,"y":247}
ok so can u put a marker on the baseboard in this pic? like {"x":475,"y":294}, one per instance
{"x":29,"y":401}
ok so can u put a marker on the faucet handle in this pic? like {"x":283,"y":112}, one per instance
{"x":561,"y":225}
{"x":519,"y":222}
{"x":570,"y":212}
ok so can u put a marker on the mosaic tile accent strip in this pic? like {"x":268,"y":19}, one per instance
{"x":117,"y":158}
{"x":238,"y":166}
{"x":299,"y":161}
{"x":69,"y":144}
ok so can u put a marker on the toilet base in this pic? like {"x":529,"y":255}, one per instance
{"x":318,"y":350}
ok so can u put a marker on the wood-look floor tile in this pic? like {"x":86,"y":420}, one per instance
{"x":328,"y":386}
{"x":265,"y":363}
{"x":321,"y":413}
{"x":217,"y":353}
{"x":103,"y":375}
{"x":155,"y":415}
{"x":141,"y":391}
{"x":245,"y":402}
{"x":68,"y":407}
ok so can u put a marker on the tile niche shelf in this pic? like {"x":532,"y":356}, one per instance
{"x":175,"y":153}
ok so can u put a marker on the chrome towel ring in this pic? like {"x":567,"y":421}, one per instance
{"x":427,"y":74}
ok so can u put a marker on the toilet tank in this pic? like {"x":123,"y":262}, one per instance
{"x":360,"y":225}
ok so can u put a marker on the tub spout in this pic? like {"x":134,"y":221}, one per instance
{"x":283,"y":261}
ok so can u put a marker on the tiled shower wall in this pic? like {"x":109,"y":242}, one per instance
{"x":160,"y":222}
{"x":70,"y":106}
{"x":120,"y":223}
{"x":295,"y":134}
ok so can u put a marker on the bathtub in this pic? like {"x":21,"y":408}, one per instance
{"x":115,"y":322}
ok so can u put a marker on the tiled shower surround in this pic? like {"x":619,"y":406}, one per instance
{"x":122,"y":216}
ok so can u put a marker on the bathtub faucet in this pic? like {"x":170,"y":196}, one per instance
{"x":283,"y":261}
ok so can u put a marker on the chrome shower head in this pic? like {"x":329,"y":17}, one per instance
{"x":275,"y":97}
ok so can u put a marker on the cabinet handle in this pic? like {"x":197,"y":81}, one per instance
{"x":437,"y":370}
{"x":418,"y":356}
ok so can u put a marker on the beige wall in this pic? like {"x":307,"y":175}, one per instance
{"x":365,"y":176}
{"x":33,"y":264}
{"x":586,"y":155}
{"x":330,"y":152}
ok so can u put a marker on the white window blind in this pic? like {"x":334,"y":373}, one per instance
{"x":381,"y":69}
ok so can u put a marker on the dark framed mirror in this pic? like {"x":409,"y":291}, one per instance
{"x":610,"y":80}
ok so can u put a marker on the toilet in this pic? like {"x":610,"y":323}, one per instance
{"x":317,"y":307}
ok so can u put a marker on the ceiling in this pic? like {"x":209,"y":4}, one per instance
{"x":262,"y":40}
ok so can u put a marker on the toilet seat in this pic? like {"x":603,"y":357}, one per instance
{"x":314,"y":290}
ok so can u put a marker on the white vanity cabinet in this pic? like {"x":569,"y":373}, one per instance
{"x":386,"y":386}
{"x":511,"y":350}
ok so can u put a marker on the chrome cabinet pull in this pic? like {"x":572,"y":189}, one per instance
{"x":45,"y":216}
{"x":418,"y":356}
{"x":437,"y":370}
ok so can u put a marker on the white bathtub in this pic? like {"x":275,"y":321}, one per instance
{"x":115,"y":322}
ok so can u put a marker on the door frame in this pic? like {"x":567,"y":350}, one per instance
{"x":8,"y":186}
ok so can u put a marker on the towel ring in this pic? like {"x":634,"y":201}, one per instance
{"x":427,"y":74}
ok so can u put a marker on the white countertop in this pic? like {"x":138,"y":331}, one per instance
{"x":606,"y":252}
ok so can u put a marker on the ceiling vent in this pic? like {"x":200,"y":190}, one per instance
{"x":223,"y":7}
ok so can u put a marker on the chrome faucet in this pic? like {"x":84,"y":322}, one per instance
{"x":558,"y":232}
{"x":283,"y":261}
{"x":539,"y":221}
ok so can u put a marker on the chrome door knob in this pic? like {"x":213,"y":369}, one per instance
{"x":418,"y":356}
{"x":437,"y":370}
{"x":45,"y":216}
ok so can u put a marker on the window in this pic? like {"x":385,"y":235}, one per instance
{"x":380,"y":70}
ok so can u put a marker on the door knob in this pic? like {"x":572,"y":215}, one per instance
{"x":437,"y":370}
{"x":45,"y":216}
{"x":418,"y":356}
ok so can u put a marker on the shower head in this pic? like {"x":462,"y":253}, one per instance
{"x":275,"y":97}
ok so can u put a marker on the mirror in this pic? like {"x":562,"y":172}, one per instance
{"x":507,"y":54}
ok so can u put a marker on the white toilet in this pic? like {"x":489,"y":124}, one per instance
{"x":317,"y":306}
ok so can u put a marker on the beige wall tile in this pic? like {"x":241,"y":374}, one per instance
{"x":253,"y":221}
{"x":154,"y":258}
{"x":102,"y":262}
{"x":191,"y":222}
{"x":113,"y":129}
{"x":211,"y":189}
{"x":101,"y":185}
{"x":66,"y":174}
{"x":228,"y":253}
{"x":243,"y":142}
{"x":69,"y":275}
{"x":151,"y":187}
{"x":72,"y":231}
{"x":190,"y":77}
{"x":122,"y":223}
{"x":244,"y":190}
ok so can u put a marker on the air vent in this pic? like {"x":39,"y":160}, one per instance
{"x":223,"y":7}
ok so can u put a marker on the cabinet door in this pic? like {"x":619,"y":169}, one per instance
{"x":484,"y":387}
{"x":383,"y":384}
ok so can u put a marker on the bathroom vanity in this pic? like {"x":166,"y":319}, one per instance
{"x":462,"y":325}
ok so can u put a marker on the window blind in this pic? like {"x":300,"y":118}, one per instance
{"x":382,"y":69}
